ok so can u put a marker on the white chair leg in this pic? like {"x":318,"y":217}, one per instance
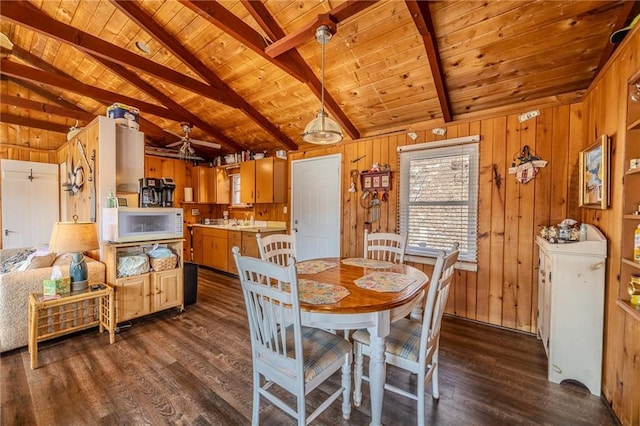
{"x":357,"y":391}
{"x":302,"y":415}
{"x":346,"y":385}
{"x":434,"y":377}
{"x":255,"y":414}
{"x":420,"y":402}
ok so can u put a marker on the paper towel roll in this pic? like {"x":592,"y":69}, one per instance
{"x":188,"y":195}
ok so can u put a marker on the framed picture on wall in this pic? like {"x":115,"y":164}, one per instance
{"x":594,"y":175}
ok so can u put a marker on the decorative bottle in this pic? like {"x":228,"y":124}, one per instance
{"x":636,"y":245}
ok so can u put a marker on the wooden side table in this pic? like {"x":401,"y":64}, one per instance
{"x":49,"y":318}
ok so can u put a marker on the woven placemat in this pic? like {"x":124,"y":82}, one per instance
{"x":314,"y":266}
{"x":384,"y":282}
{"x":367,"y":263}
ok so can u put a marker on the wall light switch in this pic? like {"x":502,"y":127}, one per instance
{"x":284,"y":210}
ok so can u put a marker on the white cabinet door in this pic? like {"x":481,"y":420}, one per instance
{"x":30,"y":199}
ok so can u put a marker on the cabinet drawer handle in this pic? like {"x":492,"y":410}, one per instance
{"x":557,"y":369}
{"x":597,"y":265}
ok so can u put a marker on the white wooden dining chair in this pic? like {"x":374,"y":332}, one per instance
{"x":384,"y":246}
{"x":296,"y":358}
{"x":277,"y":248}
{"x":417,"y":314}
{"x":411,"y":345}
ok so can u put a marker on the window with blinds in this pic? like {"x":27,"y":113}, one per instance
{"x":439,"y":199}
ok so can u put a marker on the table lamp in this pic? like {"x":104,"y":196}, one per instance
{"x":75,"y":237}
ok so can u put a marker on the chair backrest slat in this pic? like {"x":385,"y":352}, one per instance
{"x":384,"y":246}
{"x":277,"y":248}
{"x":273,"y":310}
{"x":436,"y":299}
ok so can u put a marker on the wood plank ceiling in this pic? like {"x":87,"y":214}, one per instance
{"x":246,"y":74}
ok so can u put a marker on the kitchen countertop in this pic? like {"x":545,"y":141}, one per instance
{"x":257,"y":227}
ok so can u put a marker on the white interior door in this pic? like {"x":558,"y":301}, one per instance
{"x":30,"y":194}
{"x":315,"y":206}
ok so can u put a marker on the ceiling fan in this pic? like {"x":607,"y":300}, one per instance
{"x":186,"y":150}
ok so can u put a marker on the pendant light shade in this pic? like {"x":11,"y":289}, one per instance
{"x":322,"y":130}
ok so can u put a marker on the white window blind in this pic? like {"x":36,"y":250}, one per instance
{"x":439,"y":199}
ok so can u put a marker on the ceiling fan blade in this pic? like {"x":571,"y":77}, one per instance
{"x":205,"y":143}
{"x":160,"y":152}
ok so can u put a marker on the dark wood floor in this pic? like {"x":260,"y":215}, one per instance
{"x":194,"y":368}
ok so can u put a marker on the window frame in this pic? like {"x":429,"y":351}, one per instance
{"x":446,"y":148}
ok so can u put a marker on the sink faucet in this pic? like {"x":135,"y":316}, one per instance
{"x":234,"y":221}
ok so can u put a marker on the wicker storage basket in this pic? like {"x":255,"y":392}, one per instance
{"x":162,"y":264}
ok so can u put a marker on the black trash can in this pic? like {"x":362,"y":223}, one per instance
{"x":190,"y":283}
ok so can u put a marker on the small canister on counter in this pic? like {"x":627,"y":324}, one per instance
{"x":634,"y":289}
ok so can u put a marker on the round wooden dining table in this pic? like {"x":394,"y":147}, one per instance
{"x":364,"y":308}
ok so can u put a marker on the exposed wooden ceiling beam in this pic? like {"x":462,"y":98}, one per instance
{"x":169,"y":103}
{"x":24,"y":72}
{"x":16,"y":101}
{"x":43,"y":93}
{"x":271,"y":27}
{"x":307,"y":31}
{"x":298,"y":68}
{"x":36,"y":124}
{"x":422,"y":17}
{"x":146,"y":22}
{"x":30,"y":17}
{"x":299,"y":36}
{"x":146,"y":126}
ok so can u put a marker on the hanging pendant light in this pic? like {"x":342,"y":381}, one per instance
{"x":322,"y":130}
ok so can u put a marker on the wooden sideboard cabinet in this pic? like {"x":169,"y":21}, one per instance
{"x":571,"y":308}
{"x":143,"y":294}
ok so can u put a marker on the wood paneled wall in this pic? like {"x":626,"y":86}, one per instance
{"x":606,"y":107}
{"x":26,"y":143}
{"x":503,"y":290}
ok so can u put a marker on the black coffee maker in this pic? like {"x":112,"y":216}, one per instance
{"x":168,"y":187}
{"x":150,"y":192}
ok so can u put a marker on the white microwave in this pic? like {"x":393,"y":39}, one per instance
{"x":128,"y":224}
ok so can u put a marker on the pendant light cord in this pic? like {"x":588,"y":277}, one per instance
{"x":322,"y":95}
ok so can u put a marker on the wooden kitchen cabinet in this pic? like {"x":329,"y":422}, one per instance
{"x":248,"y":182}
{"x":132,"y":297}
{"x":215,"y":248}
{"x":196,"y":245}
{"x":142,"y":294}
{"x":206,"y":192}
{"x":263,"y":181}
{"x":223,"y":186}
{"x":234,"y":239}
{"x":250,"y":244}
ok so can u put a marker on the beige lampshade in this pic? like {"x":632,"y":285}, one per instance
{"x":74,"y":237}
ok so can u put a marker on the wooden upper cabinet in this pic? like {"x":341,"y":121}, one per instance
{"x":206,"y":185}
{"x":223,"y":186}
{"x":248,"y":182}
{"x":263,"y":181}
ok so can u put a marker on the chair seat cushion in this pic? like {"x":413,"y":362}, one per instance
{"x":403,"y":339}
{"x":321,"y":349}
